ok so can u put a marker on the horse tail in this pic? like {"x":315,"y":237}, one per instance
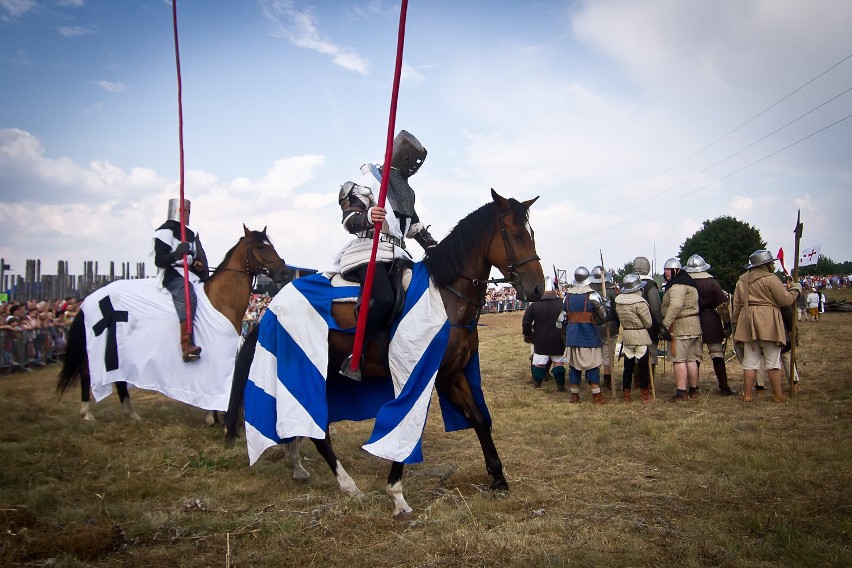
{"x":75,"y":355}
{"x":238,"y":386}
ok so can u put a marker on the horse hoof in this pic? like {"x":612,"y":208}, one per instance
{"x":500,"y":486}
{"x":301,"y":475}
{"x":403,"y":515}
{"x":87,"y":417}
{"x":209,"y":420}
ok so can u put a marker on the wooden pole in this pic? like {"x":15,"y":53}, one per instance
{"x":186,"y":298}
{"x":794,"y":328}
{"x":371,"y":267}
{"x":608,"y":343}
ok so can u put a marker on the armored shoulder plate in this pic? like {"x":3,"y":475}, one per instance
{"x":364,"y":194}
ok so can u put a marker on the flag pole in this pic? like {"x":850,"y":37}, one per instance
{"x":794,"y":328}
{"x":186,"y":298}
{"x":377,"y":229}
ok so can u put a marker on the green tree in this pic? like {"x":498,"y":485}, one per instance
{"x":725,"y":243}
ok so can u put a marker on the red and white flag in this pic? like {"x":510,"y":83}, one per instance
{"x":780,"y":257}
{"x":809,"y":256}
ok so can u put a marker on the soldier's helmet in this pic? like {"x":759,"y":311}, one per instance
{"x":641,"y":266}
{"x":408,"y":154}
{"x":174,"y":210}
{"x":759,"y":258}
{"x":673,"y":263}
{"x":632,"y":283}
{"x":596,"y":275}
{"x":581,"y":276}
{"x":696,"y":263}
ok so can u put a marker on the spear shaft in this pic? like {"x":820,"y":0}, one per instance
{"x":794,"y":328}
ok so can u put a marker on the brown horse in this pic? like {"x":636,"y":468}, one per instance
{"x":228,"y":289}
{"x":498,"y":234}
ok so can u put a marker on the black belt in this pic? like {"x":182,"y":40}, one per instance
{"x":383,"y":237}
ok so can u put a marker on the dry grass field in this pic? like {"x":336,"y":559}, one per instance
{"x":712,"y":482}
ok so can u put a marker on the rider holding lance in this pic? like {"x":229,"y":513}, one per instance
{"x":168,"y":257}
{"x":358,"y":202}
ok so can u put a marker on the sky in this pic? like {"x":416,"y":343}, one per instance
{"x":634,"y":121}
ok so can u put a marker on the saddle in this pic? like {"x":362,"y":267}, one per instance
{"x":400,"y":277}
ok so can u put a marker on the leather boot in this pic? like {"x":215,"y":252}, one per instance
{"x":722,"y":376}
{"x":574,"y":398}
{"x":693,"y":392}
{"x":598,"y":398}
{"x":190,"y":351}
{"x":646,"y":396}
{"x":626,"y":395}
{"x":680,"y":396}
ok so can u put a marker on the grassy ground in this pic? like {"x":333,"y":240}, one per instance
{"x":713,"y":482}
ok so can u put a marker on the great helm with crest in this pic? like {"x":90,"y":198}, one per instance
{"x":632,"y":283}
{"x":641,"y":266}
{"x":408,"y":154}
{"x":759,"y":258}
{"x":174,"y":210}
{"x":696,"y":263}
{"x":581,"y":276}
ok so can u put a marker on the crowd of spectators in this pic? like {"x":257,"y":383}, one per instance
{"x":32,"y":334}
{"x":499,"y":300}
{"x":826,"y":282}
{"x":257,"y":305}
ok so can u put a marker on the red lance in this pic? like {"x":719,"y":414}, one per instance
{"x":180,"y":144}
{"x":371,"y":267}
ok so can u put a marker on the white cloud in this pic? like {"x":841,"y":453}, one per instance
{"x":16,"y":8}
{"x":111,"y":87}
{"x":299,"y":28}
{"x":74,"y":31}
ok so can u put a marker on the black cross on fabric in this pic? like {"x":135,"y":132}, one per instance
{"x":109,"y":321}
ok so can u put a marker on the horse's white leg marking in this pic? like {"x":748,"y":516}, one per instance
{"x":346,"y":483}
{"x":292,"y":449}
{"x":209,"y":418}
{"x":400,"y":507}
{"x":85,"y":414}
{"x":127,"y":408}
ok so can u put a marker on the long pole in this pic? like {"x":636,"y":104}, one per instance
{"x":371,"y":267}
{"x":610,"y":352}
{"x":186,"y":298}
{"x":794,"y":328}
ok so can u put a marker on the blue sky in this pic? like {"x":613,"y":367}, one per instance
{"x":634,"y":120}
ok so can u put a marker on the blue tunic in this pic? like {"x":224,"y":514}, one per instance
{"x":580,"y":334}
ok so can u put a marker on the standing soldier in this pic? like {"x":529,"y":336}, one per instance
{"x":714,"y":316}
{"x":610,"y":324}
{"x":539,"y":327}
{"x":651,"y":293}
{"x":635,"y":317}
{"x":168,"y":257}
{"x":758,"y":299}
{"x":682,"y":329}
{"x":583,"y":309}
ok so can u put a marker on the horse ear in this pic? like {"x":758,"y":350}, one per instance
{"x":501,"y":202}
{"x":246,"y":231}
{"x":529,"y":202}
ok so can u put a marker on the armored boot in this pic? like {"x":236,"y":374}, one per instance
{"x":190,"y":351}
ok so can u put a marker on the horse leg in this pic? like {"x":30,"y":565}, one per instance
{"x":458,"y":391}
{"x":401,"y":510}
{"x":126,"y":405}
{"x":344,"y":480}
{"x":295,"y":459}
{"x":85,"y":394}
{"x":212,"y":418}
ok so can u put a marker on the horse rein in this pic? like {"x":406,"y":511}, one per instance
{"x":262,"y":268}
{"x":512,"y":277}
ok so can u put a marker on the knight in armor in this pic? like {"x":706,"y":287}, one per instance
{"x":399,"y":220}
{"x":714,"y":315}
{"x":635,"y":318}
{"x":169,"y":251}
{"x":609,"y":328}
{"x":582,"y":311}
{"x":682,"y":329}
{"x":651,"y":294}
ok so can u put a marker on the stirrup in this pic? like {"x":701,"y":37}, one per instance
{"x":346,"y":369}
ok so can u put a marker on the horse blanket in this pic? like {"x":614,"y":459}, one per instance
{"x":288,"y":394}
{"x":132,"y":335}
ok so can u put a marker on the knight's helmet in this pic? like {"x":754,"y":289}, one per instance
{"x":696,"y":263}
{"x":408,"y":154}
{"x":759,"y":258}
{"x":674,"y":264}
{"x":641,"y":266}
{"x":632,"y":283}
{"x":581,"y":276}
{"x":174,"y":210}
{"x":596,"y":275}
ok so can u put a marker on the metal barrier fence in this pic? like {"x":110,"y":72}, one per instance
{"x":26,"y":349}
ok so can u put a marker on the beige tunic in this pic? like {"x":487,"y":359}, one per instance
{"x":758,"y":299}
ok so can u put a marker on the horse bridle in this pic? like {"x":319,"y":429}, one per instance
{"x":512,"y":277}
{"x":262,"y":268}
